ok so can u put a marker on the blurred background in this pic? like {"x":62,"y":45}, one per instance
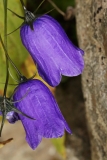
{"x":68,"y":94}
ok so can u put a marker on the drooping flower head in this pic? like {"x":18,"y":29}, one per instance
{"x":50,"y":48}
{"x":39,"y":104}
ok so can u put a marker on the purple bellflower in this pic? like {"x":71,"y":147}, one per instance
{"x":51,"y":49}
{"x":40,"y":104}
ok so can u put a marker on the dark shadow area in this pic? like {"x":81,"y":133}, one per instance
{"x":70,"y":99}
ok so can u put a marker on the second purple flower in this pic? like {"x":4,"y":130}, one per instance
{"x":38,"y":103}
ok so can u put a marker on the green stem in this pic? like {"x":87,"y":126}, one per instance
{"x":22,"y":3}
{"x":5,"y":43}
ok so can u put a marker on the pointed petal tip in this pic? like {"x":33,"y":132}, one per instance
{"x":34,"y":144}
{"x":33,"y":136}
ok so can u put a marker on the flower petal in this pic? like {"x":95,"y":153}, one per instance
{"x":52,"y":50}
{"x":41,"y":105}
{"x":12,"y":117}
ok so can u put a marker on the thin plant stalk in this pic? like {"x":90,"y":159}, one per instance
{"x":5,"y":44}
{"x":56,"y":7}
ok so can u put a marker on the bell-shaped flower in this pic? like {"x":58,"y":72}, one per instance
{"x":51,"y":49}
{"x":39,"y":103}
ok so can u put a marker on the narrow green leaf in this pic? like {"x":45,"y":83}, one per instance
{"x":59,"y":145}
